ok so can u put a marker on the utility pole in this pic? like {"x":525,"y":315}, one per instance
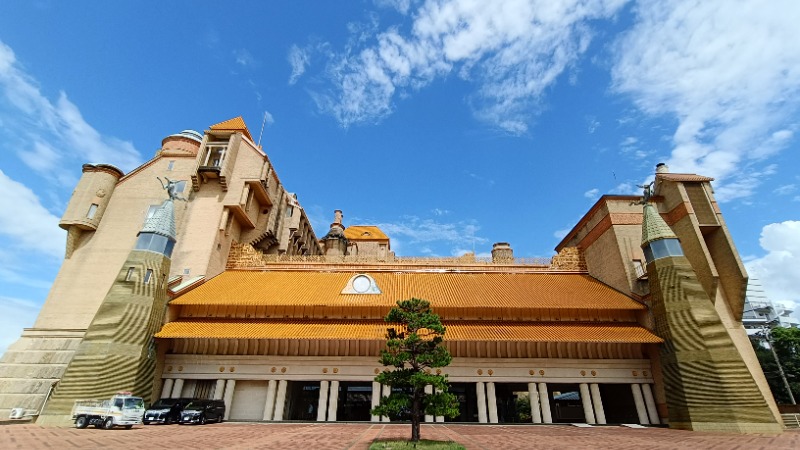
{"x":767,"y":332}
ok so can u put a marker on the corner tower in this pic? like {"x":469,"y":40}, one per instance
{"x":707,"y":382}
{"x":118,"y":351}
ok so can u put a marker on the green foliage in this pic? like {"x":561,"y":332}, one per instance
{"x":787,"y":347}
{"x":413,"y":348}
{"x":523,"y":407}
{"x":421,"y":445}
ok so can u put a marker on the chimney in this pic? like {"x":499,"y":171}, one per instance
{"x":502,"y":253}
{"x":662,"y":168}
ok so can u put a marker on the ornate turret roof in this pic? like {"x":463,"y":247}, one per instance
{"x":162,"y":221}
{"x":654,"y":227}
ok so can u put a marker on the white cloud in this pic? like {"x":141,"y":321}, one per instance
{"x":729,"y":72}
{"x":243,"y":57}
{"x":30,"y":226}
{"x":592,"y":194}
{"x":57,"y":129}
{"x":512,"y":50}
{"x":401,"y":6}
{"x":785,"y":189}
{"x":299,"y":60}
{"x":414,"y":230}
{"x":15,"y":314}
{"x":779,"y":269}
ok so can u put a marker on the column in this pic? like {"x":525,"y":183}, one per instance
{"x":219,"y":390}
{"x":230,"y":385}
{"x":280,"y":400}
{"x":650,"y":403}
{"x":177,"y":388}
{"x":491,"y":399}
{"x":586,"y":401}
{"x":376,"y":394}
{"x":166,"y":390}
{"x":439,"y":418}
{"x":481,"y":392}
{"x":269,"y":405}
{"x":598,"y":403}
{"x":387,"y":390}
{"x":544,"y":399}
{"x":428,"y":391}
{"x":641,"y":411}
{"x":333,"y":401}
{"x":536,"y":410}
{"x":322,"y":405}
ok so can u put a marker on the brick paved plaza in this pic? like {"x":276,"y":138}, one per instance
{"x":359,"y":436}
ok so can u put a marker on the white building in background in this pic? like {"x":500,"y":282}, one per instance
{"x":760,"y":311}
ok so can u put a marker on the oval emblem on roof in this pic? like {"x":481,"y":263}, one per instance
{"x":361,"y":284}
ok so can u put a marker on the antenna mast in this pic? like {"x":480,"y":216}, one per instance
{"x":263,"y":122}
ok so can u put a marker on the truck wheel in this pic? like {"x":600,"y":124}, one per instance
{"x":81,"y":422}
{"x":202,"y":420}
{"x":109,"y":423}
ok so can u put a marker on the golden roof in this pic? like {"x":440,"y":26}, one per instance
{"x":457,"y":295}
{"x":682,"y":177}
{"x":365,"y":233}
{"x":235,"y":124}
{"x":376,"y":331}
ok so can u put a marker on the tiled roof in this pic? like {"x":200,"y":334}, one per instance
{"x":682,"y":177}
{"x":162,"y":221}
{"x":235,"y":124}
{"x":365,"y":233}
{"x":376,"y":330}
{"x":654,"y":227}
{"x":454,"y":292}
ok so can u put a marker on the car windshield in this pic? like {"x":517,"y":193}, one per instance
{"x":195,"y":406}
{"x":163,"y":404}
{"x":134,"y":402}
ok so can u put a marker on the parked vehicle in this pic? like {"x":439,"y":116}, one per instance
{"x":165,"y":410}
{"x":202,"y":411}
{"x":123,"y":409}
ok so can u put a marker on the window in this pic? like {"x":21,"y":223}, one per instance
{"x":92,"y":210}
{"x":148,"y":275}
{"x":129,"y":275}
{"x":638,"y":267}
{"x":180,"y":186}
{"x":171,"y":165}
{"x":289,"y":211}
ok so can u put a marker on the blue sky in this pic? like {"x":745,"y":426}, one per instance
{"x":452,"y":124}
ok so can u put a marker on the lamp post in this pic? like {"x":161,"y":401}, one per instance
{"x":767,"y":333}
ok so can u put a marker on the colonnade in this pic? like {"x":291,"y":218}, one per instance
{"x":327,"y":405}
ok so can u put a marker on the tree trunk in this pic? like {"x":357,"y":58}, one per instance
{"x":416,"y":412}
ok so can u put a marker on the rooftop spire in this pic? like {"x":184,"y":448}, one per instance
{"x":653,"y":226}
{"x":162,"y":221}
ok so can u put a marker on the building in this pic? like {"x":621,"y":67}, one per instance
{"x":637,"y":319}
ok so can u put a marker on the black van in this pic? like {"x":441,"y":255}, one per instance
{"x":165,"y":410}
{"x":202,"y":411}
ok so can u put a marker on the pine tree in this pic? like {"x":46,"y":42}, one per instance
{"x":413,"y":348}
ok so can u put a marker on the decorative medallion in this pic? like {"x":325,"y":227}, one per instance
{"x":490,"y":372}
{"x":283,"y":369}
{"x":480,"y":371}
{"x":180,"y":368}
{"x":377,"y":371}
{"x":100,"y":193}
{"x":531,"y":372}
{"x":583,"y":373}
{"x":169,"y":368}
{"x":231,"y":369}
{"x":361,"y":284}
{"x":221,"y":369}
{"x":635,"y":373}
{"x":273,"y":369}
{"x":594,"y":373}
{"x":541,"y":372}
{"x":335,"y":370}
{"x":325,"y":370}
{"x":438,"y":371}
{"x":644,"y":373}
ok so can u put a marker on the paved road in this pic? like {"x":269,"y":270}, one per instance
{"x":340,"y":436}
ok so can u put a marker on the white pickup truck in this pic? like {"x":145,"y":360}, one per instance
{"x":122,"y":409}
